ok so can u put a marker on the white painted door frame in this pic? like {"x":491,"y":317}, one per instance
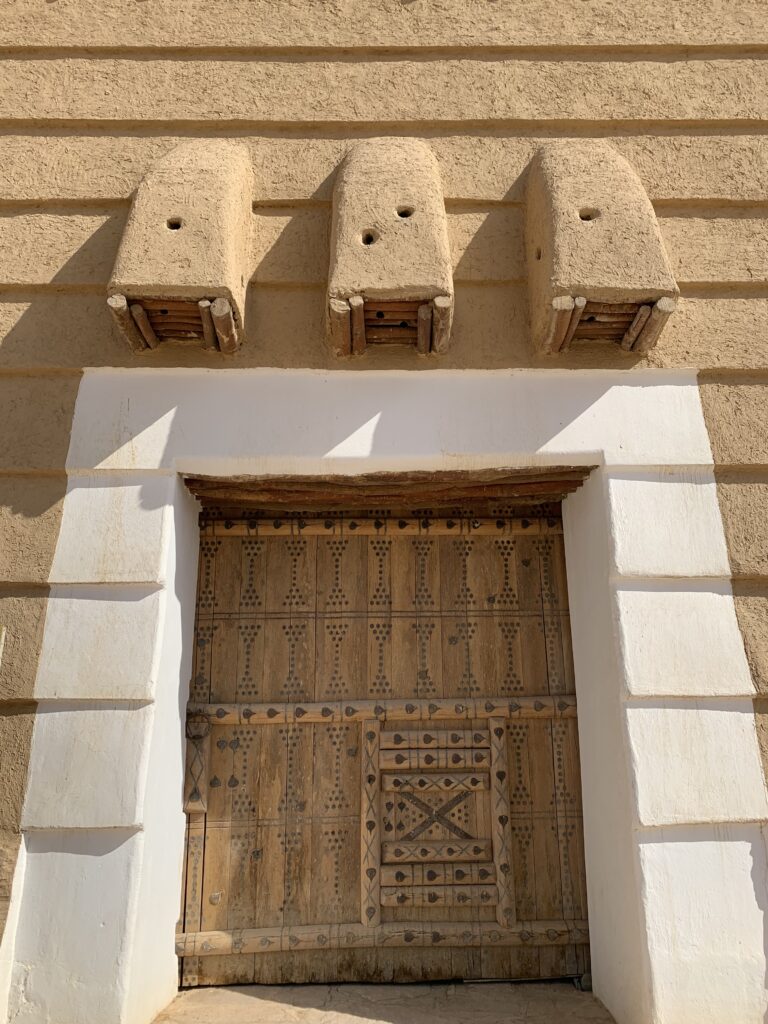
{"x":674,"y":798}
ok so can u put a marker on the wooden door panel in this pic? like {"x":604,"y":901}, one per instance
{"x":383,"y":775}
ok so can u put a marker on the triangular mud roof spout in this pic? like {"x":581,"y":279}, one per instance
{"x":390,"y":279}
{"x":182,"y":267}
{"x":597,"y":268}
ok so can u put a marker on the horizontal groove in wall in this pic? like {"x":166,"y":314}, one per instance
{"x":44,"y":373}
{"x":353,"y":51}
{"x":741,"y":474}
{"x":756,"y":586}
{"x":499,"y":129}
{"x":36,"y":473}
{"x":10,"y":706}
{"x":292,"y":246}
{"x":420,"y":127}
{"x":734,"y":377}
{"x":32,"y":831}
{"x":723,"y":290}
{"x":721,"y":830}
{"x":710,"y":207}
{"x":740,"y":703}
{"x":73,"y":704}
{"x":14,"y":588}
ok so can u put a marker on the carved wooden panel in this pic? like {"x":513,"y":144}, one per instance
{"x":382,"y":776}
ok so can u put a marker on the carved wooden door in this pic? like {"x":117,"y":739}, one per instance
{"x":382,"y":766}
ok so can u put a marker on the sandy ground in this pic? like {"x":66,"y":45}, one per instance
{"x":497,"y":1003}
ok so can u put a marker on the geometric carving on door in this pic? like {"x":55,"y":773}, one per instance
{"x":382,"y":753}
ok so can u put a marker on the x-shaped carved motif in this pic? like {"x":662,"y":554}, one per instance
{"x":437,"y":815}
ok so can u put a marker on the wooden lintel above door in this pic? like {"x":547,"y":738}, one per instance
{"x":478,"y":489}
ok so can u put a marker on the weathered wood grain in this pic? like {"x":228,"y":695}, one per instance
{"x":356,"y":936}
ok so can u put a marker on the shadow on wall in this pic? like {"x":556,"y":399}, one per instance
{"x":261,"y":422}
{"x":760,"y":885}
{"x":64,"y":322}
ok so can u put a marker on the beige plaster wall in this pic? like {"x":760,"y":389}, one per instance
{"x":94,"y":93}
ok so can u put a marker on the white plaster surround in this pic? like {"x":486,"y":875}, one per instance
{"x":674,"y":798}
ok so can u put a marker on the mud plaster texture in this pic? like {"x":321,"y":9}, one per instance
{"x":590,"y":230}
{"x":188,"y":231}
{"x":388,"y":1004}
{"x":389,"y":238}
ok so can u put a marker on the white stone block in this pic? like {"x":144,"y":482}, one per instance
{"x":667,"y":525}
{"x":619,"y":968}
{"x":233,"y":421}
{"x":87,"y":767}
{"x":73,"y":943}
{"x":113,"y":529}
{"x":696,"y":761}
{"x":705,"y":912}
{"x":116,"y":653}
{"x":682,"y":642}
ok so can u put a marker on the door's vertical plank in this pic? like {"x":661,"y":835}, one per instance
{"x":269,"y":893}
{"x":289,"y":663}
{"x":524,"y":960}
{"x":521,"y":811}
{"x":370,"y":827}
{"x":222,"y":779}
{"x":403,"y":618}
{"x":355,"y":645}
{"x":428,"y":624}
{"x":231,"y":969}
{"x":533,"y":645}
{"x":457,"y":630}
{"x":269,"y":858}
{"x":246,"y":800}
{"x":250,"y":623}
{"x":226,"y":609}
{"x":549,"y":899}
{"x":341,"y":628}
{"x":467,"y":962}
{"x":379,"y":603}
{"x":560,"y":586}
{"x":205,"y":627}
{"x":551,"y":613}
{"x":298,"y":740}
{"x":296,"y":837}
{"x":569,"y":828}
{"x":277,"y":618}
{"x":193,"y":894}
{"x":215,"y":903}
{"x":302,"y":602}
{"x":500,"y":823}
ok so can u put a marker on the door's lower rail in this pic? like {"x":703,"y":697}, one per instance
{"x":358,"y":936}
{"x":541,"y":707}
